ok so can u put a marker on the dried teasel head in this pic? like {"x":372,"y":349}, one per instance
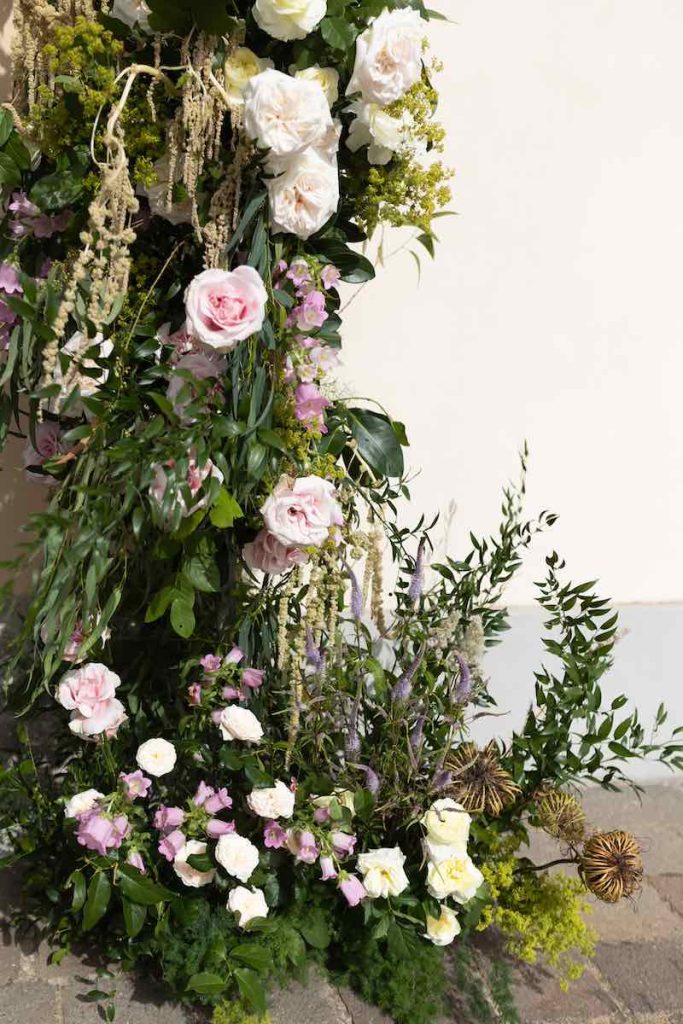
{"x":480,"y":783}
{"x":611,"y":865}
{"x":561,"y":815}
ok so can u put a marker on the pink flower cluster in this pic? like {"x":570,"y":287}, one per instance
{"x":28,"y":219}
{"x":9,"y":285}
{"x":250,"y":678}
{"x":302,"y":845}
{"x":101,"y":832}
{"x":89,"y":693}
{"x":206,"y":804}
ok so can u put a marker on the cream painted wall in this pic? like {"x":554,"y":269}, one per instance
{"x":551,"y":312}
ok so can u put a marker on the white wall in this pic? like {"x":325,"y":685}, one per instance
{"x":553,"y":311}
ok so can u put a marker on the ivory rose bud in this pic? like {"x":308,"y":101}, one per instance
{"x":327,"y":79}
{"x":267,"y":554}
{"x":457,"y":877}
{"x":302,"y":512}
{"x":238,"y":723}
{"x":383,"y":134}
{"x":285,"y":115}
{"x":447,"y":822}
{"x":224,"y":307}
{"x":157,"y":757}
{"x":289,"y":19}
{"x":442,"y":930}
{"x":237,"y":855}
{"x":132,"y":12}
{"x":388,"y":57}
{"x":249,"y":904}
{"x":82,"y":803}
{"x":273,"y":802}
{"x":304,"y":194}
{"x":383,"y":872}
{"x":240,"y":67}
{"x":185,"y":872}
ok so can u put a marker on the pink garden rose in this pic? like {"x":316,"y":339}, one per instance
{"x":267,"y":554}
{"x":225,"y":306}
{"x":88,"y":692}
{"x":302,"y":512}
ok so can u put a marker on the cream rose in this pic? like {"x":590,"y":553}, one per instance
{"x":157,"y":757}
{"x":237,"y":855}
{"x":388,"y":57}
{"x":327,"y":79}
{"x":302,"y":512}
{"x":267,"y":554}
{"x":383,"y":134}
{"x":249,"y":904}
{"x":238,"y":723}
{"x":132,"y":12}
{"x":289,"y":19}
{"x":442,"y":930}
{"x":273,"y":802}
{"x":457,"y":877}
{"x":185,"y":872}
{"x":285,"y":115}
{"x":81,"y":803}
{"x":224,"y":307}
{"x":383,"y":872}
{"x":240,"y":67}
{"x":304,"y":194}
{"x":447,"y":822}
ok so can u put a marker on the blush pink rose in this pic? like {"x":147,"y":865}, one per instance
{"x":303,"y":512}
{"x":267,"y":554}
{"x":225,"y":306}
{"x":89,"y":693}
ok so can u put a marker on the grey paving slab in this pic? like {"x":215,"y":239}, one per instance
{"x":648,"y":976}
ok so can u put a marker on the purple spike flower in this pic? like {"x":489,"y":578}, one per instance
{"x":372,"y":782}
{"x":356,"y":594}
{"x":403,"y":687}
{"x":417,"y":580}
{"x":313,"y":654}
{"x":442,"y":779}
{"x":464,"y":687}
{"x":416,"y":734}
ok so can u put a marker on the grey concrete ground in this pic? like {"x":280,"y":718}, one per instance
{"x":636,"y":977}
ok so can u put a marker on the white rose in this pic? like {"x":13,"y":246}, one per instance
{"x":383,"y":873}
{"x":132,"y":12}
{"x":274,"y":802}
{"x":457,"y":877}
{"x":248,"y":903}
{"x":327,"y":79}
{"x":388,"y":57}
{"x":185,"y":872}
{"x":447,"y":822}
{"x":442,"y":930}
{"x":241,"y":66}
{"x":237,"y":855}
{"x":436,"y":852}
{"x":289,"y":19}
{"x":383,"y":134}
{"x":88,"y":386}
{"x":81,"y":803}
{"x":302,"y":512}
{"x":238,"y":723}
{"x":305,"y":193}
{"x":283,"y":114}
{"x":156,"y":757}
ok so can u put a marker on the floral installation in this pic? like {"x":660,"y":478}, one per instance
{"x":259,"y":757}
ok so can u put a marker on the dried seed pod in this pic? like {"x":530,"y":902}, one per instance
{"x":611,"y":865}
{"x":480,"y":783}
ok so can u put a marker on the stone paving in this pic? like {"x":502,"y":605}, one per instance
{"x":636,"y":977}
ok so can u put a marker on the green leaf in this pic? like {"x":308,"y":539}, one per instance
{"x":252,"y":955}
{"x":159,"y":603}
{"x":6,"y":126}
{"x":315,"y":930}
{"x":225,"y":510}
{"x":9,"y":172}
{"x":182,"y":617}
{"x":377,"y":442}
{"x":55,"y":191}
{"x":99,"y":894}
{"x":78,"y":899}
{"x":137,"y":888}
{"x":133,"y":917}
{"x":338,"y":33}
{"x":201,"y":571}
{"x":354,"y":268}
{"x":201,"y":862}
{"x":206,"y":984}
{"x":251,"y":989}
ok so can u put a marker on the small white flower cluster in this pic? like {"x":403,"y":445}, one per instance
{"x":388,"y":64}
{"x":450,"y":870}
